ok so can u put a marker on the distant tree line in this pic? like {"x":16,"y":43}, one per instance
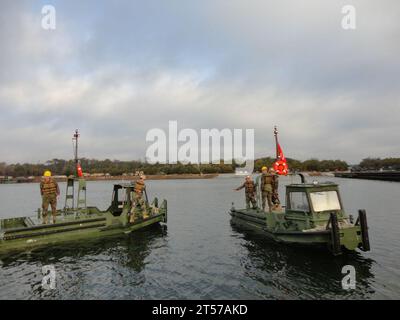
{"x":377,"y":163}
{"x":112,"y":167}
{"x":116,"y":167}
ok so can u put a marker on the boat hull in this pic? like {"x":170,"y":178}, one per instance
{"x":99,"y":225}
{"x":257,"y":221}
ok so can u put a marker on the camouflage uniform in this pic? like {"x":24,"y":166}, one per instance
{"x":250,"y":192}
{"x":139,"y":203}
{"x":49,"y":190}
{"x":275,"y":184}
{"x":267,"y":190}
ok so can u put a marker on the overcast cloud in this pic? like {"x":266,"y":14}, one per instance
{"x":116,"y":69}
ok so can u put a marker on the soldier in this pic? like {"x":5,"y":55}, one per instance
{"x":250,"y":192}
{"x":275,"y":184}
{"x":266,"y":188}
{"x":139,"y":203}
{"x":50,"y":191}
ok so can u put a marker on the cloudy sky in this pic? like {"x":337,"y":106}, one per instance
{"x":116,"y":69}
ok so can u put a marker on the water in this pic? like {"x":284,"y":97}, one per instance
{"x":200,"y":255}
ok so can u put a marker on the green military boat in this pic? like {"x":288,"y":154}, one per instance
{"x":25,"y":233}
{"x":77,"y":221}
{"x":313,"y":216}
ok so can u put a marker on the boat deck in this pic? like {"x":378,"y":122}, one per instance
{"x":34,"y":222}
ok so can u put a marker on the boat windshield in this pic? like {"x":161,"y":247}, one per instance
{"x":298,"y":201}
{"x":325,"y":200}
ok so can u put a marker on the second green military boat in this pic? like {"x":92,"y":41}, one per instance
{"x":313,"y":216}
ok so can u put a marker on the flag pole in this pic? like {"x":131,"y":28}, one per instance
{"x":276,"y":141}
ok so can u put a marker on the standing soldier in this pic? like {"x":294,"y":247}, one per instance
{"x":50,"y":191}
{"x":275,"y":185}
{"x":250,"y":192}
{"x":138,"y":200}
{"x":266,"y":188}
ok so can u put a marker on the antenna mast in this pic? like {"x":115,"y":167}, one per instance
{"x":75,"y":138}
{"x":276,"y":141}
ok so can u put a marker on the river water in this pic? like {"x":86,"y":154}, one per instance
{"x":200,"y":255}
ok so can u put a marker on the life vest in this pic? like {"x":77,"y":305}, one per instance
{"x":139,"y":187}
{"x":266,"y":182}
{"x":49,"y":187}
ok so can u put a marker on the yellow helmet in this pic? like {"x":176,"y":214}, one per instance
{"x":47,"y":173}
{"x":264,"y":168}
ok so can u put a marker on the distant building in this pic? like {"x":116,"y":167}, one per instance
{"x":241,"y":172}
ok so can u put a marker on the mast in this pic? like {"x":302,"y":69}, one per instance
{"x":75,"y":138}
{"x":276,"y":141}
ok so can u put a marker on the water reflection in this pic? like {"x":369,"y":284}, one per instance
{"x":136,"y":246}
{"x":87,"y":269}
{"x":297,"y":272}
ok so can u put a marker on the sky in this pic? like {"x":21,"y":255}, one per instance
{"x":117,"y":69}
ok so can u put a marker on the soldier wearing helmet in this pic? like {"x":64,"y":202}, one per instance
{"x":266,"y":188}
{"x":49,"y":191}
{"x":250,"y":192}
{"x":275,"y":184}
{"x":139,"y":205}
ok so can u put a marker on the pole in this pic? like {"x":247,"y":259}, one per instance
{"x":76,"y":136}
{"x":276,"y":141}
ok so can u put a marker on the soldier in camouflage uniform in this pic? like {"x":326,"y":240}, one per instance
{"x":50,"y":191}
{"x":266,"y":188}
{"x":139,"y":205}
{"x":275,"y":184}
{"x":250,"y":192}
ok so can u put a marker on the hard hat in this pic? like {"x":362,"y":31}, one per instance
{"x":264,"y":168}
{"x":47,"y":173}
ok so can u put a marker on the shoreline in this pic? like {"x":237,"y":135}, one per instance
{"x":126,"y":177}
{"x":393,"y":176}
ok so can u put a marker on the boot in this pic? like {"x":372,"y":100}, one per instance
{"x":45,"y":219}
{"x":132,"y":218}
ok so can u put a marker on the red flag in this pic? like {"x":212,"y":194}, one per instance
{"x":280,"y":165}
{"x":79,"y":170}
{"x":281,"y":156}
